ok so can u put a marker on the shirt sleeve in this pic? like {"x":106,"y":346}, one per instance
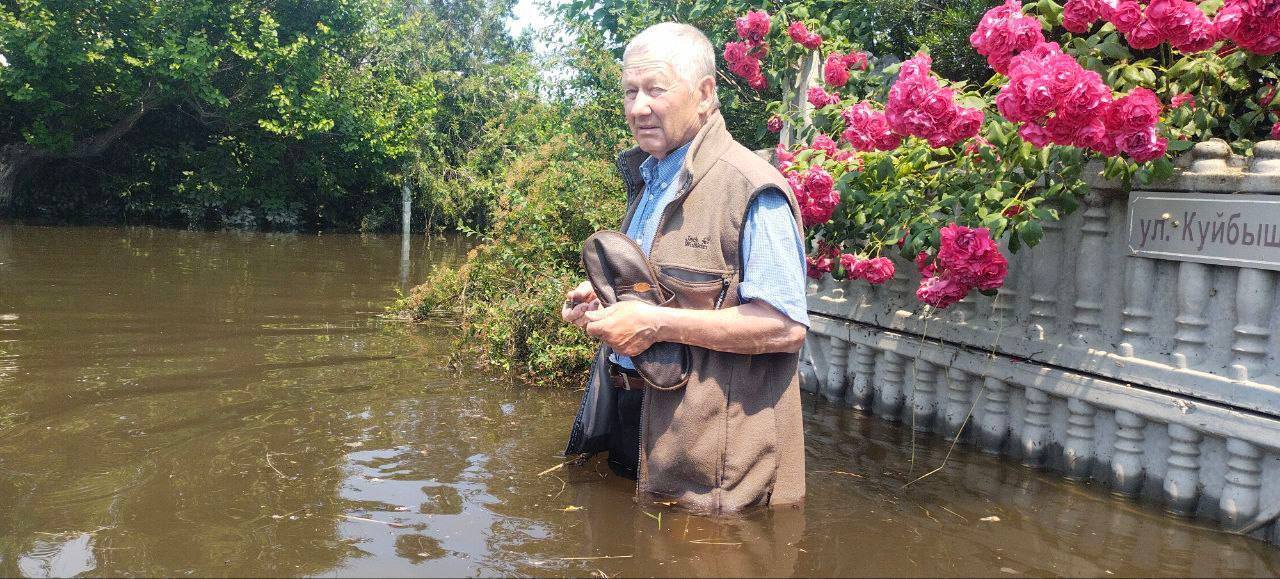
{"x":773,"y":257}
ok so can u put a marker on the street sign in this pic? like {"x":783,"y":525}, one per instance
{"x":1237,"y":230}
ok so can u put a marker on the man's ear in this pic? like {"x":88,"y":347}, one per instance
{"x":707,"y":94}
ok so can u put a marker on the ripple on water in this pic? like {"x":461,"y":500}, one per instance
{"x":229,"y":406}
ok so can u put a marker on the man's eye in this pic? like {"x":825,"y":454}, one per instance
{"x":657,"y":90}
{"x":630,"y":93}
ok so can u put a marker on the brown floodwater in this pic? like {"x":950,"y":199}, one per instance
{"x":196,"y":403}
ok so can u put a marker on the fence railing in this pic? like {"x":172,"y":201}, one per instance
{"x":1154,"y":371}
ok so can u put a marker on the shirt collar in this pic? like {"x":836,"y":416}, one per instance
{"x":666,"y":167}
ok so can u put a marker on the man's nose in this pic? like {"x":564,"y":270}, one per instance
{"x":640,"y":105}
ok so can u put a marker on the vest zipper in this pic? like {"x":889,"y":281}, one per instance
{"x":724,"y":289}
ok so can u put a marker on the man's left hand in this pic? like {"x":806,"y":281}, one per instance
{"x":629,"y":327}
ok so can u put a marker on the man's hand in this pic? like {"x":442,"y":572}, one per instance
{"x":579,"y":301}
{"x":629,"y":327}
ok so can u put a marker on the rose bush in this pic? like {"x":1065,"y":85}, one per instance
{"x":945,"y":172}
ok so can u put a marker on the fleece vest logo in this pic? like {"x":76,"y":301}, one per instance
{"x":696,"y":243}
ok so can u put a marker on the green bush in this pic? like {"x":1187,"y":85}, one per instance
{"x":508,"y":292}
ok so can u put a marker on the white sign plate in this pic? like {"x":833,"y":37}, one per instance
{"x":1236,"y":230}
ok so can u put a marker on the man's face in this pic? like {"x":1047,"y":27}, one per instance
{"x":662,"y":109}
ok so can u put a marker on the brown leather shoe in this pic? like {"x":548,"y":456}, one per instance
{"x":618,"y":271}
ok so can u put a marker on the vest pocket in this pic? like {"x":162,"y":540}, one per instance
{"x":695,"y":289}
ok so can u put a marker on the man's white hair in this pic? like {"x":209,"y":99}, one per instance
{"x":682,"y":46}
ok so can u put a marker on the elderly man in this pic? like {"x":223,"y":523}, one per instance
{"x":720,"y":226}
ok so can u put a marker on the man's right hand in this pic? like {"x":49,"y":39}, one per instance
{"x":579,"y":301}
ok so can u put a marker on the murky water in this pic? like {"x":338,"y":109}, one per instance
{"x":177,"y":403}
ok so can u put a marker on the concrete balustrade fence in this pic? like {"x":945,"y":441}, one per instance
{"x":1135,"y":346}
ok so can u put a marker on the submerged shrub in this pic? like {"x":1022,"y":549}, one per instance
{"x":508,"y":292}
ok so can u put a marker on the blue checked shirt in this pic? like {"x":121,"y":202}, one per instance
{"x":772,"y":251}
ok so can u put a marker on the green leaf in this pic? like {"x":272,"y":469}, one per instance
{"x":1031,"y":233}
{"x":1112,"y":48}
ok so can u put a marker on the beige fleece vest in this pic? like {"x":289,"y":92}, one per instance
{"x":733,"y":436}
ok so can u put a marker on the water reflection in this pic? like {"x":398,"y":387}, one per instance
{"x":178,"y":402}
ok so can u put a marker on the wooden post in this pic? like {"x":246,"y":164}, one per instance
{"x":405,"y":221}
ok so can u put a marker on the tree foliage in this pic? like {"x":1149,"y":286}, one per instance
{"x":279,"y":113}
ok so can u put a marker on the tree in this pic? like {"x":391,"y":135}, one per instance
{"x":274,"y":107}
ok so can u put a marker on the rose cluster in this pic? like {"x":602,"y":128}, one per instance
{"x":835,"y":71}
{"x":753,"y":26}
{"x":815,"y":193}
{"x":967,"y":259}
{"x":800,"y":33}
{"x":918,"y":106}
{"x":1058,"y":101}
{"x":876,"y":270}
{"x":819,"y":97}
{"x":743,"y":57}
{"x":867,"y":129}
{"x":1253,"y":24}
{"x":823,"y":260}
{"x":1179,"y":22}
{"x":1003,"y":32}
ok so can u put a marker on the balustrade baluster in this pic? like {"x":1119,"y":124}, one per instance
{"x":1035,"y":428}
{"x":1193,"y":298}
{"x":890,"y":391}
{"x":1089,"y":293}
{"x":1077,"y":451}
{"x":837,"y":362}
{"x":1126,"y":459}
{"x":1239,"y":502}
{"x":1137,"y":306}
{"x":924,"y":394}
{"x":864,"y":366}
{"x":995,"y":421}
{"x":1045,"y":272}
{"x":1182,"y":477}
{"x":958,"y":400}
{"x":1255,"y":289}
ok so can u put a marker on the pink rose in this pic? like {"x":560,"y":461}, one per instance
{"x":800,"y":33}
{"x":1079,"y":15}
{"x":984,"y":273}
{"x":940,"y":105}
{"x":758,"y":82}
{"x":818,"y":265}
{"x":1275,"y":131}
{"x":821,"y":98}
{"x":1143,"y":145}
{"x":1089,"y":136}
{"x":754,"y":26}
{"x":1135,"y":111}
{"x":875,"y":271}
{"x":796,"y":183}
{"x":1180,"y":99}
{"x":1061,"y":130}
{"x":967,"y":124}
{"x":834,"y":71}
{"x":825,"y":144}
{"x":925,"y":264}
{"x":774,"y":124}
{"x":1003,"y":32}
{"x":1126,"y":16}
{"x":1034,"y":134}
{"x":818,"y":183}
{"x":960,"y":244}
{"x":1203,"y":39}
{"x":783,"y":157}
{"x":1144,"y":36}
{"x":940,"y":292}
{"x":856,"y":60}
{"x":849,"y":262}
{"x":735,"y":51}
